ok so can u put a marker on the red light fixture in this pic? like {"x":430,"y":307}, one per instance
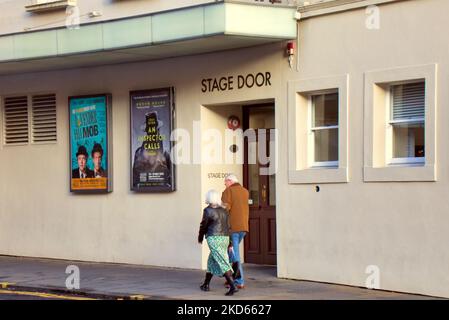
{"x":290,"y":53}
{"x":290,"y":48}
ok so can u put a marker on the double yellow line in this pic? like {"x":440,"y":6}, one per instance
{"x":5,"y":285}
{"x":42,"y":295}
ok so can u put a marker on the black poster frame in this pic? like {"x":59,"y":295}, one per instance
{"x":171,"y":124}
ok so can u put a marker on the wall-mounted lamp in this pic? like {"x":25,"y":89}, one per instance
{"x":290,"y":53}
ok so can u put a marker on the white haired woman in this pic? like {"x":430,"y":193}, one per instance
{"x":215,"y":226}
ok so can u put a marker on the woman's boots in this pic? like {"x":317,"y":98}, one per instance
{"x":233,"y":289}
{"x":235,"y":274}
{"x":236,"y":268}
{"x":205,"y":285}
{"x":228,"y":275}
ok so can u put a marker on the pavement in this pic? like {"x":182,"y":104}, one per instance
{"x":131,"y":282}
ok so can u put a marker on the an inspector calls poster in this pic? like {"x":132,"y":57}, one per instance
{"x":151,"y":124}
{"x":89,"y":143}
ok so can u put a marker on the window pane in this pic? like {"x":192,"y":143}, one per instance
{"x":272,"y":190}
{"x":408,"y":140}
{"x":326,"y":145}
{"x":325,"y":110}
{"x":253,"y":175}
{"x":408,"y":101}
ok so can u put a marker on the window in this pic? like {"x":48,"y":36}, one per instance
{"x":29,"y":118}
{"x":318,"y":130}
{"x":400,"y":133}
{"x":407,"y":114}
{"x":325,"y":129}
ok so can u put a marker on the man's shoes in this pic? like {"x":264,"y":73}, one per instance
{"x":239,"y":286}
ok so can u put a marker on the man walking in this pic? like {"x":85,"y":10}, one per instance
{"x":235,"y":198}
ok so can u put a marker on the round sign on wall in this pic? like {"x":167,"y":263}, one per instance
{"x":233,"y":122}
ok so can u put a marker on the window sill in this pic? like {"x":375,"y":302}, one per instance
{"x":325,"y":165}
{"x":407,"y":162}
{"x":318,"y":175}
{"x":401,"y":173}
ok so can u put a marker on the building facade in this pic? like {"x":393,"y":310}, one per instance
{"x":355,"y":181}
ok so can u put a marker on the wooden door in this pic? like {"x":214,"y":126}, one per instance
{"x":260,"y":243}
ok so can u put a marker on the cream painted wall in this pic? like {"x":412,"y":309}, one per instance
{"x":41,"y":218}
{"x":117,"y":227}
{"x":216,"y":118}
{"x":333,"y":235}
{"x":330,"y":236}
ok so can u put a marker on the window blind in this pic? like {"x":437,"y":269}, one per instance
{"x":408,"y":101}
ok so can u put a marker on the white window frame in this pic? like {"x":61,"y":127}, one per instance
{"x":379,"y":166}
{"x":312,"y":130}
{"x":389,"y":144}
{"x":300,"y":156}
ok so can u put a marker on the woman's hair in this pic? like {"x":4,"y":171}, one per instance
{"x":213,"y":198}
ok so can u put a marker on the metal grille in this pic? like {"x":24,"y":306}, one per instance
{"x":16,"y":125}
{"x":44,"y":118}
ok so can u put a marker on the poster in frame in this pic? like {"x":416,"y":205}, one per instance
{"x":152,"y":121}
{"x":90,"y":120}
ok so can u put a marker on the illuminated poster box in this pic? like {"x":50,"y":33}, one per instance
{"x":90,"y":147}
{"x":151,"y":125}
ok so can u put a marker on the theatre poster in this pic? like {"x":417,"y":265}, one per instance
{"x":90,"y":147}
{"x":151,"y":113}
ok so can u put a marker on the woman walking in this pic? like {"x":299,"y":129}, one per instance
{"x":215,"y":226}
